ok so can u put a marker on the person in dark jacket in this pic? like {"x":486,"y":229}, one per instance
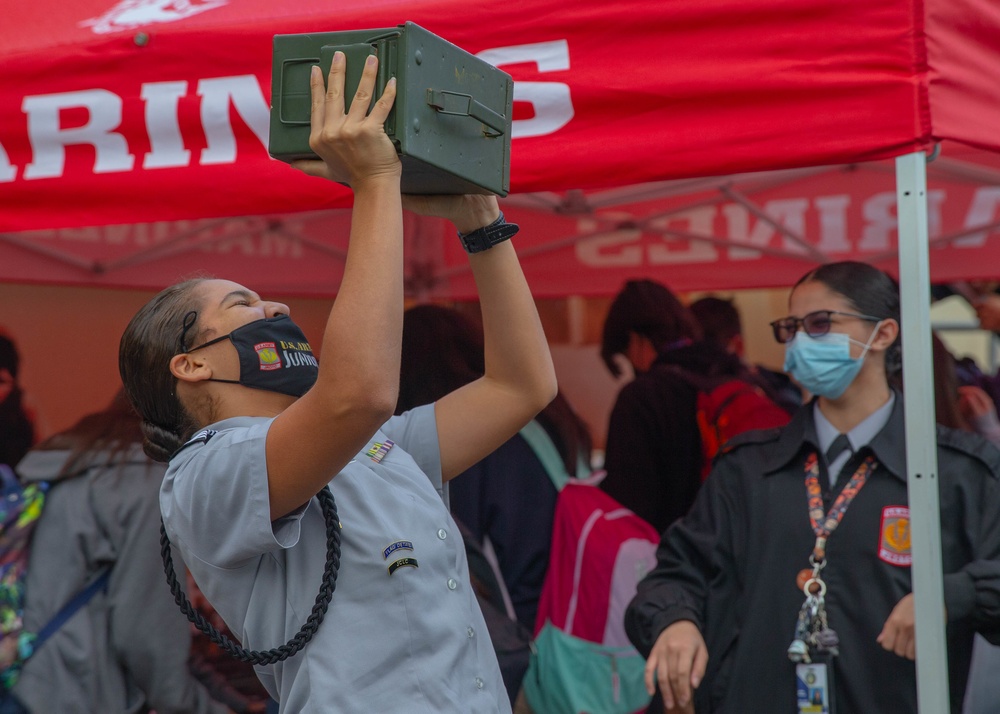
{"x":17,"y":426}
{"x":653,"y":454}
{"x":721,"y":324}
{"x":717,"y":618}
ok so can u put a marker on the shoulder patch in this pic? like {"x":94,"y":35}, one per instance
{"x":972,"y":445}
{"x":201,"y":437}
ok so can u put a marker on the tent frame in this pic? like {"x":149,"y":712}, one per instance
{"x":921,"y":441}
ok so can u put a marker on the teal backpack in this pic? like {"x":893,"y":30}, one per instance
{"x":581,"y":660}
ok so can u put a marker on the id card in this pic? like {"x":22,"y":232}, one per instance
{"x":812,"y":688}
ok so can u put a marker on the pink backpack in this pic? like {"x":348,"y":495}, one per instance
{"x":582,"y":661}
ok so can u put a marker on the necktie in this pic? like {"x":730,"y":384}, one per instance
{"x":839,"y":445}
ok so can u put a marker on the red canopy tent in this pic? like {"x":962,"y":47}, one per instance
{"x":133,"y":140}
{"x":125,"y":126}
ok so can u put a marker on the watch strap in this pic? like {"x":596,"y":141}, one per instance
{"x":488,"y":236}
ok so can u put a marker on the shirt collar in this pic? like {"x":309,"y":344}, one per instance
{"x":860,"y":435}
{"x":888,"y":442}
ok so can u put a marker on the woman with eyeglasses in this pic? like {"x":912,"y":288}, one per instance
{"x":312,"y":519}
{"x":788,"y":584}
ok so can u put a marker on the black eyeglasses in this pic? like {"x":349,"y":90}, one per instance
{"x":815,"y":324}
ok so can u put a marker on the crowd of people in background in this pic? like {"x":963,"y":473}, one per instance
{"x":707,"y":616}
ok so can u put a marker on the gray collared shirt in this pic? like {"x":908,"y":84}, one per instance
{"x":404,"y":632}
{"x":859,"y":436}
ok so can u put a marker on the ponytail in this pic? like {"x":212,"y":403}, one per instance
{"x":159,"y":443}
{"x":151,"y":339}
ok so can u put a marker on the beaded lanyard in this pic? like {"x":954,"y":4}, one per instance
{"x":824,"y":526}
{"x":812,"y":633}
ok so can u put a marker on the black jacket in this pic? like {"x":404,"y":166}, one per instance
{"x":510,"y":498}
{"x":730,"y":567}
{"x":653,"y":455}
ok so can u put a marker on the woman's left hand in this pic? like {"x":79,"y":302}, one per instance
{"x":467,"y":213}
{"x":898,"y":632}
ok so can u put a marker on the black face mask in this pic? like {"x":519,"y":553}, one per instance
{"x":274,"y":355}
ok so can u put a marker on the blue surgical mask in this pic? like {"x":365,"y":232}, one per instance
{"x":824,"y":365}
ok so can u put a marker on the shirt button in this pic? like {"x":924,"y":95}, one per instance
{"x":479,"y":683}
{"x":452,"y":583}
{"x":442,"y":533}
{"x":472,"y":633}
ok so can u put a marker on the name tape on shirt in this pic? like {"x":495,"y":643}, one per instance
{"x":402,"y":563}
{"x":398,"y":545}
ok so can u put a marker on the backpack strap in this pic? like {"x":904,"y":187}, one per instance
{"x":30,"y":643}
{"x":8,"y":479}
{"x":71,"y":608}
{"x":541,"y":443}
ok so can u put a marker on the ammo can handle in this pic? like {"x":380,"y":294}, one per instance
{"x":281,"y":89}
{"x":458,"y":104}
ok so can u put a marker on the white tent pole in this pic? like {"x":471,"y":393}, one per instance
{"x":921,"y":442}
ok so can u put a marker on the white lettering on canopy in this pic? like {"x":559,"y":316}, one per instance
{"x":634,"y":246}
{"x":673,"y":251}
{"x":614,"y":249}
{"x":832,"y":224}
{"x":551,"y":101}
{"x":248,"y":100}
{"x":879,"y":213}
{"x":250,"y":237}
{"x":49,"y":140}
{"x":8,"y":172}
{"x":982,"y":211}
{"x":166,"y":142}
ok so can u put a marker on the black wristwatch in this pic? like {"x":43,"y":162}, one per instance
{"x":488,"y":236}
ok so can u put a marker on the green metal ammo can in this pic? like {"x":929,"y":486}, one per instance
{"x":451,"y":120}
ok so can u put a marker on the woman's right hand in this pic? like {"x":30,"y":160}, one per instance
{"x":353,"y":147}
{"x":677,"y":663}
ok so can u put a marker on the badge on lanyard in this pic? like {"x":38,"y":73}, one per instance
{"x":812,"y":687}
{"x":815,"y":644}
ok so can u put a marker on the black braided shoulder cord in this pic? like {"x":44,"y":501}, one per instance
{"x":311,"y":624}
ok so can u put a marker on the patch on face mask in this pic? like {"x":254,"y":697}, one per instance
{"x":379,"y":450}
{"x":267,"y":353}
{"x":894,"y":536}
{"x":398,"y":545}
{"x":402,"y":563}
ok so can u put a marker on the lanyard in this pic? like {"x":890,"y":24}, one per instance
{"x":813,"y":636}
{"x":824,"y":526}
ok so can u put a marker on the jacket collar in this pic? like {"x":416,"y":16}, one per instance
{"x":798,"y":438}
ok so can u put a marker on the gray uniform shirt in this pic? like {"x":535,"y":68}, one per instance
{"x":411,"y":640}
